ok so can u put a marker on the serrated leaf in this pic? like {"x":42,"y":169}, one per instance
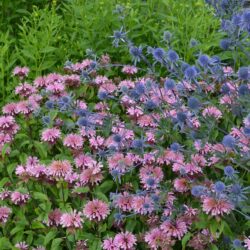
{"x":56,"y":244}
{"x":49,"y":236}
{"x":41,"y":149}
{"x":106,"y":186}
{"x":40,"y":196}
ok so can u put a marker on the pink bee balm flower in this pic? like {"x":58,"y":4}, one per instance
{"x":247,"y":243}
{"x":25,"y":90}
{"x":130,"y":70}
{"x":54,"y":218}
{"x":125,"y":240}
{"x":212,"y":112}
{"x":60,"y":168}
{"x":157,"y":239}
{"x":96,"y":210}
{"x":143,"y":204}
{"x":22,"y":245}
{"x":181,"y":185}
{"x":10,"y":108}
{"x":71,"y":220}
{"x":109,"y":244}
{"x":21,"y":72}
{"x":18,"y":198}
{"x":174,"y":229}
{"x":4,"y":214}
{"x":123,"y":201}
{"x":216,"y":206}
{"x":51,"y":135}
{"x":73,"y":141}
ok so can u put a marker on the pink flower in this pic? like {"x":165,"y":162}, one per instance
{"x":60,"y":168}
{"x":125,"y":240}
{"x":8,"y":125}
{"x":71,"y":220}
{"x":123,"y":201}
{"x":22,"y":245}
{"x":25,"y":90}
{"x":99,"y":80}
{"x":18,"y":198}
{"x":157,"y":239}
{"x":9,"y":109}
{"x":181,"y":185}
{"x":174,"y":229}
{"x":72,"y":80}
{"x":109,"y":244}
{"x":73,"y":141}
{"x":4,"y":214}
{"x":212,"y":112}
{"x":142,"y":204}
{"x":130,"y":70}
{"x":119,"y":162}
{"x":247,"y":243}
{"x":216,"y":206}
{"x":90,"y":176}
{"x":54,"y":218}
{"x":96,"y":210}
{"x":150,"y":176}
{"x":51,"y":135}
{"x":40,"y":82}
{"x":21,"y":72}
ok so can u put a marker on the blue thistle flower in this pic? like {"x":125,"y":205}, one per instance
{"x":229,"y":171}
{"x":193,"y":103}
{"x":181,"y":117}
{"x":83,"y":122}
{"x":175,"y":146}
{"x":219,"y":187}
{"x":237,"y":243}
{"x":167,"y":35}
{"x":50,"y":104}
{"x":225,"y":43}
{"x":169,"y":84}
{"x":243,"y":90}
{"x":159,"y":54}
{"x":243,"y":73}
{"x":198,"y":190}
{"x":172,"y":56}
{"x":46,"y":120}
{"x":150,"y":105}
{"x":119,"y":36}
{"x":228,"y":141}
{"x":190,"y":72}
{"x":225,"y":89}
{"x":138,"y":144}
{"x":102,"y":95}
{"x":136,"y":53}
{"x":117,"y":138}
{"x":203,"y":60}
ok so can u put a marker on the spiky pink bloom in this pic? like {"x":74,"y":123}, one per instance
{"x":21,"y":71}
{"x":99,"y":80}
{"x":54,"y":218}
{"x":71,"y":220}
{"x":72,"y":80}
{"x":73,"y":141}
{"x":18,"y":198}
{"x":25,"y":89}
{"x":90,"y":176}
{"x":174,"y":229}
{"x":9,"y":109}
{"x":247,"y":243}
{"x":125,"y":241}
{"x":157,"y":239}
{"x":4,"y":214}
{"x":216,"y":206}
{"x":8,"y":125}
{"x":60,"y":168}
{"x":150,"y":176}
{"x":51,"y":135}
{"x":181,"y":185}
{"x":96,"y":210}
{"x":109,"y":244}
{"x":123,"y":201}
{"x":212,"y":112}
{"x":130,"y":70}
{"x":22,"y":245}
{"x":142,"y":204}
{"x":119,"y":162}
{"x":40,"y":82}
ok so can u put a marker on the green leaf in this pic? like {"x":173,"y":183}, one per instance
{"x":106,"y":186}
{"x":40,"y":196}
{"x":185,"y":239}
{"x":4,"y":149}
{"x":101,"y":196}
{"x":4,"y":181}
{"x":56,"y":244}
{"x":5,"y":243}
{"x":41,"y":149}
{"x":130,"y":225}
{"x":214,"y":247}
{"x":95,"y":245}
{"x":49,"y":236}
{"x":17,"y":229}
{"x":81,"y":190}
{"x":37,"y":225}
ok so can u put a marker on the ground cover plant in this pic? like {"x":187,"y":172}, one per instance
{"x":109,"y":155}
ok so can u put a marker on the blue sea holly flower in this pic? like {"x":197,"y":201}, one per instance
{"x":237,"y":243}
{"x":46,"y":120}
{"x":150,"y":182}
{"x":150,"y":105}
{"x":203,"y":60}
{"x":197,"y":191}
{"x":83,"y":122}
{"x":246,"y":131}
{"x":175,"y":146}
{"x":219,"y":187}
{"x":243,"y":90}
{"x":117,"y":138}
{"x":190,"y":72}
{"x":225,"y":44}
{"x":169,"y":84}
{"x":243,"y":73}
{"x":193,"y":43}
{"x":159,"y":54}
{"x":119,"y":36}
{"x":102,"y":95}
{"x":229,"y":171}
{"x":193,"y":103}
{"x":172,"y":56}
{"x":136,"y":53}
{"x":138,"y":144}
{"x":140,"y":88}
{"x":228,"y":141}
{"x":167,"y":35}
{"x":50,"y":104}
{"x":118,"y":217}
{"x":225,"y":89}
{"x":181,"y":117}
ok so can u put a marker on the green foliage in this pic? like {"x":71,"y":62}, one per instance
{"x":44,"y":34}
